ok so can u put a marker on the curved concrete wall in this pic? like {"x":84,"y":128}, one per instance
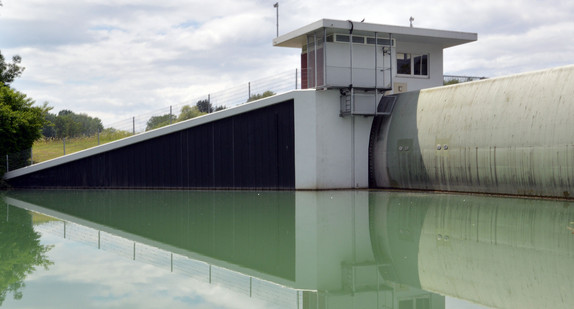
{"x":509,"y":135}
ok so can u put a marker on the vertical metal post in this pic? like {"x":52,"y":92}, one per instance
{"x":391,"y":62}
{"x":377,"y":71}
{"x":315,"y":54}
{"x":98,"y":137}
{"x":209,"y":273}
{"x":99,"y":240}
{"x":209,"y":99}
{"x":172,"y":262}
{"x":31,"y":156}
{"x":296,"y":76}
{"x":276,"y":5}
{"x":248,"y":91}
{"x":170,"y":113}
{"x":7,"y":164}
{"x":134,"y":125}
{"x":64,"y":142}
{"x":134,"y":251}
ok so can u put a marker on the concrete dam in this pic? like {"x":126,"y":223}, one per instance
{"x":372,"y":114}
{"x":509,"y":135}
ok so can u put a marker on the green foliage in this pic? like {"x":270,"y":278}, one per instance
{"x":188,"y":112}
{"x":258,"y":96}
{"x":20,"y":124}
{"x":47,"y":149}
{"x":160,"y":121}
{"x":205,"y":107}
{"x":451,"y":82}
{"x":20,"y":250}
{"x":10,"y":71}
{"x":69,"y":124}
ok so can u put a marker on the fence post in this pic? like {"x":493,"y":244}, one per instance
{"x":64,"y":140}
{"x":248,"y":91}
{"x":7,"y":164}
{"x":31,"y":156}
{"x":134,"y":125}
{"x":98,"y":137}
{"x":170,"y":114}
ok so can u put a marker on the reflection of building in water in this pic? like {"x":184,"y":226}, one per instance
{"x":296,"y":249}
{"x":334,"y":249}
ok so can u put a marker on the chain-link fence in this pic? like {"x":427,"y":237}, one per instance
{"x":278,"y":83}
{"x":51,"y":148}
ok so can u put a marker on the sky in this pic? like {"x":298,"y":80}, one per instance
{"x":114,"y":59}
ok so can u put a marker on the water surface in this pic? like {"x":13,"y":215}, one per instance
{"x":334,"y":249}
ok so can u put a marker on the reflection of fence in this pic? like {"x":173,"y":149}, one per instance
{"x":256,"y":288}
{"x":279,"y":83}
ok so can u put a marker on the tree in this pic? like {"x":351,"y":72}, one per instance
{"x":159,"y":121}
{"x":69,"y":124}
{"x":10,"y":71}
{"x":204,"y":106}
{"x":20,"y":125}
{"x":21,"y":251}
{"x":258,"y":96}
{"x":188,"y":112}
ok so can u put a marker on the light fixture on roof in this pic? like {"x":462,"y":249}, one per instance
{"x":411,"y":20}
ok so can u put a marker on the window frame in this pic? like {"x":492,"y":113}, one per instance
{"x":424,"y":58}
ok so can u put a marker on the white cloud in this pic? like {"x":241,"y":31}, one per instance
{"x":116,"y":59}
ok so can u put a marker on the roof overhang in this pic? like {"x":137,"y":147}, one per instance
{"x":443,"y":38}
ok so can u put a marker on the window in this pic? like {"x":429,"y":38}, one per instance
{"x":359,"y":39}
{"x":412,"y":64}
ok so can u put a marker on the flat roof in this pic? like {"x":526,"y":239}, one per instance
{"x":443,"y":38}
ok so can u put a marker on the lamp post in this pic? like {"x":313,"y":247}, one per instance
{"x":276,"y":5}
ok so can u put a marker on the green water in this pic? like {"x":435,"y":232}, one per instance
{"x":333,"y":249}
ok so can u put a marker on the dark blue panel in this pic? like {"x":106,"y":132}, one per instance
{"x":249,"y":150}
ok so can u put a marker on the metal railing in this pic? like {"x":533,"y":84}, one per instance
{"x":455,"y":79}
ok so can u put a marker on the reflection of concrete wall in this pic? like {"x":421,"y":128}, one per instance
{"x":507,"y":254}
{"x":507,"y":135}
{"x":498,"y":252}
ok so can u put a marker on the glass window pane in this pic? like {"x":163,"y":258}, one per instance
{"x":403,"y":63}
{"x":384,"y":42}
{"x":425,"y":65}
{"x":417,"y":60}
{"x":359,"y":39}
{"x":371,"y":41}
{"x":343,"y":38}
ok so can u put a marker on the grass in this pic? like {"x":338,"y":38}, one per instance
{"x":44,"y":150}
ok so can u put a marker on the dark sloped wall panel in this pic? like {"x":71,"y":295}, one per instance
{"x":249,"y":150}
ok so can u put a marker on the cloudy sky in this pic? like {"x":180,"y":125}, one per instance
{"x":117,"y":58}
